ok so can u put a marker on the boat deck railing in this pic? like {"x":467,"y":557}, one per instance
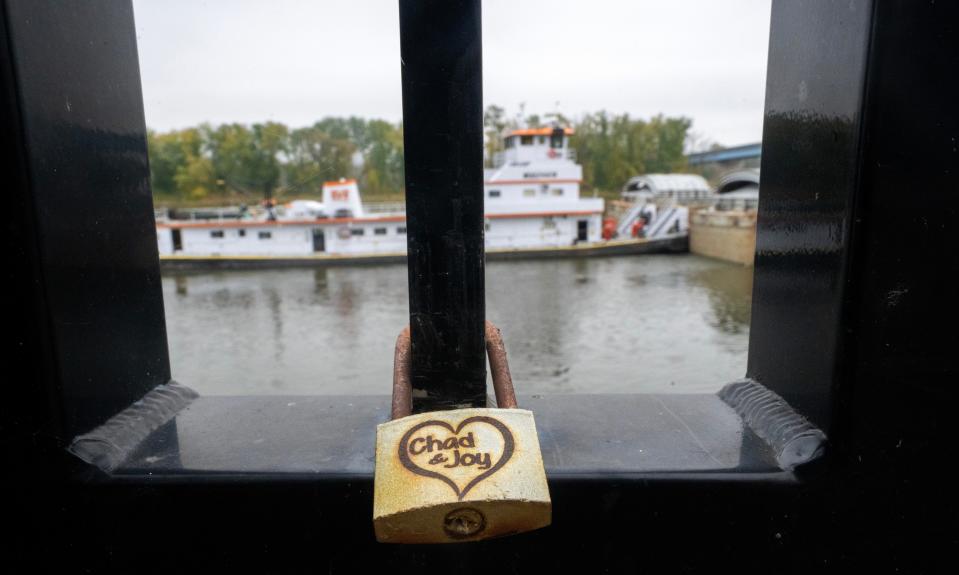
{"x":204,"y":214}
{"x":229,"y":213}
{"x":384,"y":208}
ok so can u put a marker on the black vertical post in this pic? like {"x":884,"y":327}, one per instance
{"x":812,"y":151}
{"x":87,"y":321}
{"x":441,"y":58}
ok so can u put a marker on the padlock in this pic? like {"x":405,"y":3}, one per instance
{"x":458,"y":475}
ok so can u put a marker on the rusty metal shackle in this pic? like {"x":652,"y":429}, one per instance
{"x":499,"y":368}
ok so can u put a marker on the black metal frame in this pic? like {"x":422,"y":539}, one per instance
{"x":852,"y":324}
{"x":75,"y":165}
{"x":441,"y":55}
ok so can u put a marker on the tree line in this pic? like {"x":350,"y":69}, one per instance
{"x":239,"y":162}
{"x":268,"y":160}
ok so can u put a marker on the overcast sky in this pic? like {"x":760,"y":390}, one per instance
{"x":296,"y":61}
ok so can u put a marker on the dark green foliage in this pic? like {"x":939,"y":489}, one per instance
{"x":236,"y":162}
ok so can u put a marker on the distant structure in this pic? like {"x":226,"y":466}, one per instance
{"x":680,"y":188}
{"x":714,"y":163}
{"x":738,"y":190}
{"x":727,"y":229}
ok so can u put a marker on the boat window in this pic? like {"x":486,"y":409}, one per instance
{"x":557,"y":191}
{"x":216,"y":234}
{"x":241,"y":233}
{"x":357,"y":231}
{"x":379,"y":231}
{"x":529,"y":192}
{"x":265,"y":235}
{"x":540,"y":140}
{"x":526,"y":140}
{"x":556,"y":139}
{"x":494,"y":193}
{"x":401,"y":230}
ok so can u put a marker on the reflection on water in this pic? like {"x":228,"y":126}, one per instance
{"x":730,"y":290}
{"x":607,"y":325}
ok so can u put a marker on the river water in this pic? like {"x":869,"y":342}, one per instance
{"x":653,"y":323}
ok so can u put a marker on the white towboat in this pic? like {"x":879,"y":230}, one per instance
{"x":532,"y":203}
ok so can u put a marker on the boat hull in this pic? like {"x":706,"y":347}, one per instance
{"x":676,"y":244}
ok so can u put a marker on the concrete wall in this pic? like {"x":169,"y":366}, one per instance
{"x":729,"y":236}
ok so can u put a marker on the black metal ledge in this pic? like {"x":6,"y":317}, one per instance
{"x":309,"y":437}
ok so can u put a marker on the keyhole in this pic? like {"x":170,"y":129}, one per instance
{"x":463,"y":522}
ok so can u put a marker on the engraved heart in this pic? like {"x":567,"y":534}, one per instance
{"x":462,"y":456}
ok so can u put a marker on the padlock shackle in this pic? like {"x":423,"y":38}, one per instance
{"x":499,"y":369}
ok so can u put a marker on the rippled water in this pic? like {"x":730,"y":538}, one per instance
{"x":670,"y":323}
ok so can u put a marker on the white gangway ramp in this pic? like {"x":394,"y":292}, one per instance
{"x":670,"y":221}
{"x":626,"y":222}
{"x":665,"y":222}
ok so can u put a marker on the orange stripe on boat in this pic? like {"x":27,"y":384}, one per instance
{"x":539,"y":132}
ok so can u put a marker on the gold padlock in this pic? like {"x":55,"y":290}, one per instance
{"x":458,"y":475}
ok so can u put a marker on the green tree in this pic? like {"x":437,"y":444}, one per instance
{"x":315,"y":156}
{"x":267,"y":159}
{"x":270,"y":141}
{"x":179,"y":167}
{"x":383,"y":169}
{"x":494,"y":124}
{"x":195,"y":179}
{"x":248,"y":159}
{"x":165,"y":158}
{"x":613,"y":148}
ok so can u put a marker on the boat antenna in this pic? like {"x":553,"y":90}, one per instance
{"x":556,"y":116}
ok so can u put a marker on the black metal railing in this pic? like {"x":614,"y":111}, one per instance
{"x":853,"y":327}
{"x":441,"y":59}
